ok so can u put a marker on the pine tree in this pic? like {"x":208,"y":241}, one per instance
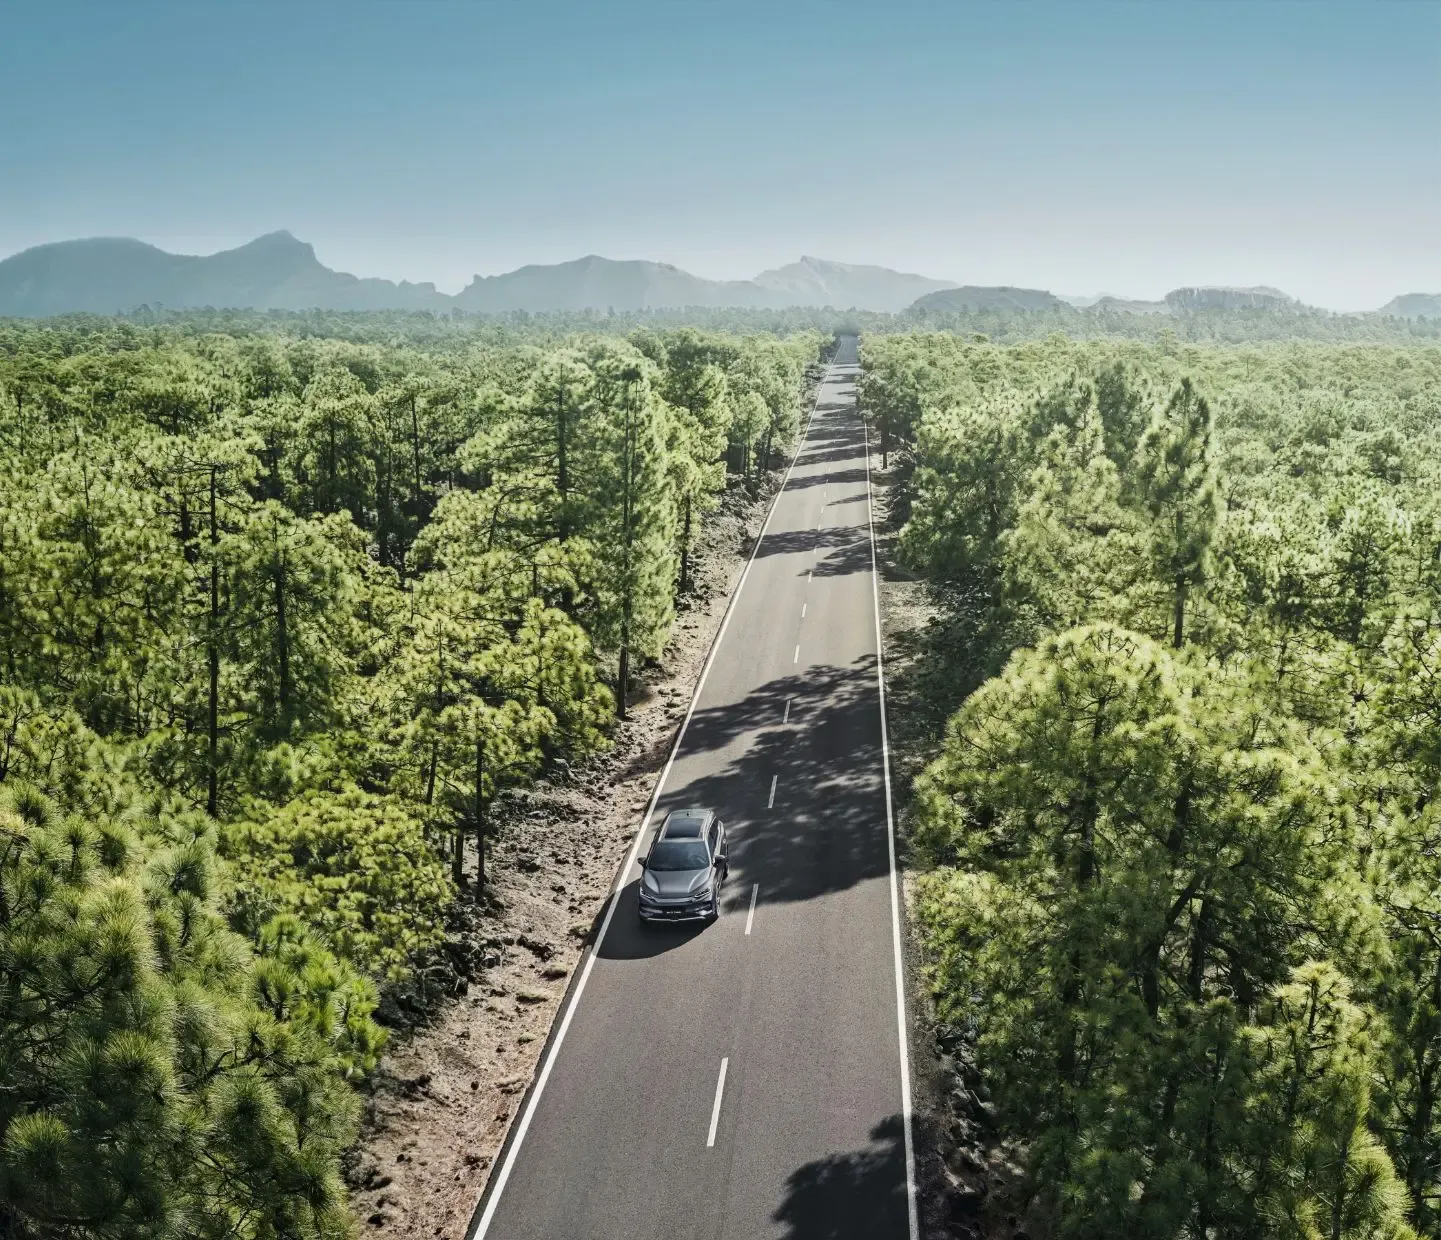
{"x":1074,"y":553}
{"x":1149,"y":845}
{"x":699,"y":425}
{"x":1176,"y":484}
{"x":155,"y":1084}
{"x":634,"y":521}
{"x":1121,"y":403}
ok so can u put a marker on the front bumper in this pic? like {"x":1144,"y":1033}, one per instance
{"x":686,"y":910}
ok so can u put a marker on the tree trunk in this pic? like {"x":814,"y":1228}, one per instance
{"x":383,"y":521}
{"x":282,"y":635}
{"x":562,"y":474}
{"x":212,"y":652}
{"x":1340,"y":1200}
{"x":430,"y":772}
{"x":479,"y":809}
{"x":623,"y":678}
{"x":415,"y":454}
{"x":187,"y":535}
{"x":1196,"y":974}
{"x":685,"y":549}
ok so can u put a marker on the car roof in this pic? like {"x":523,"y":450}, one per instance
{"x":685,"y":824}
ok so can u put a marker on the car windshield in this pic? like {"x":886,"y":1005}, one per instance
{"x":678,"y":855}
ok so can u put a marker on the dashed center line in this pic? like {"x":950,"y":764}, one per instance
{"x":796,"y":658}
{"x":751,"y":916}
{"x":771,"y":801}
{"x":803,"y":611}
{"x":720,"y":1086}
{"x":787,"y":717}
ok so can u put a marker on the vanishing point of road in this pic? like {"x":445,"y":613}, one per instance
{"x":749,"y":1080}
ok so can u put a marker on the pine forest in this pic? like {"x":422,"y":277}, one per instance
{"x":1178,"y":885}
{"x":280,"y":615}
{"x":289,"y":603}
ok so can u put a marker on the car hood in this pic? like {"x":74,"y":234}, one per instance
{"x":675,"y":883}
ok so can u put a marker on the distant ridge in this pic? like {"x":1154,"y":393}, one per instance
{"x":1414,"y":306}
{"x":1193,"y":299}
{"x":1218,"y":297}
{"x":1125,"y":305}
{"x":595,"y":283}
{"x":820,"y":282}
{"x":104,"y":275}
{"x":970,"y":298}
{"x":109,"y":275}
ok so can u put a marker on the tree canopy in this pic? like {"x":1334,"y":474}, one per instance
{"x":281,"y":614}
{"x":1177,"y":892}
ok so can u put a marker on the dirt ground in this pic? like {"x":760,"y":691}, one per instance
{"x":443,"y":1098}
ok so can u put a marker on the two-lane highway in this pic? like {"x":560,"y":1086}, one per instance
{"x":748,"y":1080}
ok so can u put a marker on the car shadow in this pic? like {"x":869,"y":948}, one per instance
{"x":629,"y":938}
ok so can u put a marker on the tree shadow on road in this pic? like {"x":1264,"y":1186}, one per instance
{"x":831,"y":478}
{"x":849,"y":552}
{"x":826,"y":830}
{"x":798,"y":542}
{"x":860,"y":1195}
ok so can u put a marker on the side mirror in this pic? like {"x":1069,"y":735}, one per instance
{"x":720,"y":860}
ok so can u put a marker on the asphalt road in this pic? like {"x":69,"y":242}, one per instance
{"x":795,"y":988}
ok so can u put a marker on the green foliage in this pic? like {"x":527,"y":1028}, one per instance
{"x":353,"y":866}
{"x":1175,"y":479}
{"x":634,"y":512}
{"x":156,"y":1082}
{"x":1179,"y":897}
{"x":320,"y":589}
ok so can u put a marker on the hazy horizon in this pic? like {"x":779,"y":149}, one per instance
{"x":1078,"y":148}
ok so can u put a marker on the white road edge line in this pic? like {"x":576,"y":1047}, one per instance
{"x":771,"y":804}
{"x":478,"y":1230}
{"x":912,"y":1217}
{"x":720,"y":1088}
{"x":751,"y":916}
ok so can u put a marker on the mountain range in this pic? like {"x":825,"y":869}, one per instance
{"x":108,"y":275}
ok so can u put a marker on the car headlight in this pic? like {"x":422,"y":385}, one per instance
{"x":702,"y":892}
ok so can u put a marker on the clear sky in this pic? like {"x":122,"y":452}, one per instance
{"x":1082,"y":146}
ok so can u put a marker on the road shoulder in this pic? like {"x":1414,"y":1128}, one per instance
{"x":956,"y":1166}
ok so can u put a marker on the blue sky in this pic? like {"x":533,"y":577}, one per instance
{"x":1124,"y":146}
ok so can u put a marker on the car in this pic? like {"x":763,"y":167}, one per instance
{"x":681,"y":876}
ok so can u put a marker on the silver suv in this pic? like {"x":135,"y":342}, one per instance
{"x":682,"y":873}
